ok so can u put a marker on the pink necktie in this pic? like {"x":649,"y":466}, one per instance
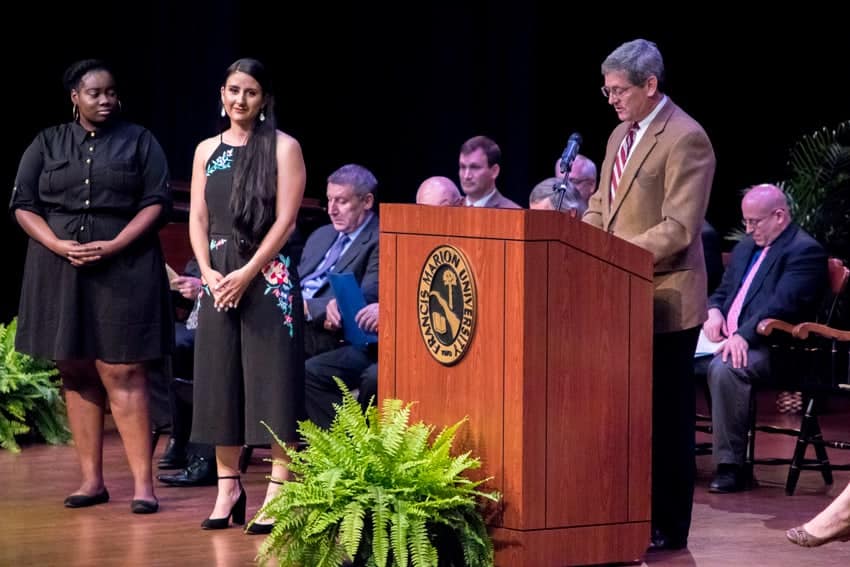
{"x":622,"y":156}
{"x":738,"y":302}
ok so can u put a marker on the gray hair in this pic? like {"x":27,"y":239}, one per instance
{"x":546,"y":189}
{"x":358,"y":177}
{"x":639,"y":59}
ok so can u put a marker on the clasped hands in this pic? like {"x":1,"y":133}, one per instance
{"x":735,"y":348}
{"x":85,"y":254}
{"x":227,"y":290}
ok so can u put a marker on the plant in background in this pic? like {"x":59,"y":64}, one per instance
{"x":819,"y":187}
{"x":29,"y":395}
{"x":373,"y":489}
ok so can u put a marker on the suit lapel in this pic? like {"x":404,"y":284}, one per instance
{"x":323,"y":244}
{"x":776,"y":250}
{"x":639,"y":153}
{"x":354,"y":249}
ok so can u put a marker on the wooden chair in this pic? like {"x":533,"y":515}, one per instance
{"x":816,"y":355}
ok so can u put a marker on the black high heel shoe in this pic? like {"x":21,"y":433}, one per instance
{"x":237,"y":512}
{"x":262,"y":529}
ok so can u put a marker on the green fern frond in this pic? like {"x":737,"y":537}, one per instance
{"x":398,"y":534}
{"x":29,"y":395}
{"x":371,"y":487}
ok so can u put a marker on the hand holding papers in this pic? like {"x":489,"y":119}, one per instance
{"x":707,"y":347}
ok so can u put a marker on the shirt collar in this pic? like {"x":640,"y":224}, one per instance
{"x":483,"y":200}
{"x":352,"y":236}
{"x":81,"y":135}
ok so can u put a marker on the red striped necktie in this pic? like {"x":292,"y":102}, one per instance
{"x":622,"y":157}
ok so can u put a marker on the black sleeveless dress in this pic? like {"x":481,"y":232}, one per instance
{"x":249,"y":361}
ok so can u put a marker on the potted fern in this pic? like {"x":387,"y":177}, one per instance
{"x":372,"y":489}
{"x":30,"y":400}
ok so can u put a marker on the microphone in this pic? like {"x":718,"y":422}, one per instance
{"x":570,"y":152}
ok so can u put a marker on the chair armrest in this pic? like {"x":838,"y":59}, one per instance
{"x":767,"y":326}
{"x":802,"y":331}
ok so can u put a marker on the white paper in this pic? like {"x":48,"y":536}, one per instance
{"x":707,"y":347}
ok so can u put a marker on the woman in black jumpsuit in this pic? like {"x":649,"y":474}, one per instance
{"x":247,"y":185}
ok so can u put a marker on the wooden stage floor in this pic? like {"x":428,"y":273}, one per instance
{"x":745,"y":529}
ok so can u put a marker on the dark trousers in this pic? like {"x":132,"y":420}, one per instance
{"x":673,"y":409}
{"x":355,"y":366}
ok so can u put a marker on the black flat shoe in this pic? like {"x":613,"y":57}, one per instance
{"x":144,"y":506}
{"x":84,"y":500}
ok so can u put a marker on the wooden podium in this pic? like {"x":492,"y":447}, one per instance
{"x":555,"y":378}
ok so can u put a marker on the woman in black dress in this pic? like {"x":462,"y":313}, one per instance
{"x":89,"y":194}
{"x":247,"y":185}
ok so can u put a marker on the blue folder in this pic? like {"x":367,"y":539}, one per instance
{"x":349,"y":298}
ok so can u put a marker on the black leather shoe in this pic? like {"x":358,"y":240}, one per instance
{"x":174,"y":456}
{"x":664,"y":542}
{"x":199,"y":472}
{"x":728,"y":478}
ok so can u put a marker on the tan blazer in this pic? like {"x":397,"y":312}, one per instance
{"x":660,"y":206}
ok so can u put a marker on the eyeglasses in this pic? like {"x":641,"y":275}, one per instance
{"x":616,"y":92}
{"x":754,"y":223}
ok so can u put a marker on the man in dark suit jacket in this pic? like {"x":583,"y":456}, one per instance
{"x":354,"y":231}
{"x":478,"y":168}
{"x":777,"y":271}
{"x":654,"y":187}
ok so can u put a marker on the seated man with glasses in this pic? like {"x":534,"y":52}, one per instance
{"x":777,"y":271}
{"x":582,"y":176}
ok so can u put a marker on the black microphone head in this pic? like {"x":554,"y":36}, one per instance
{"x":576,"y":138}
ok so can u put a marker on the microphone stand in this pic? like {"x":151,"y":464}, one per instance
{"x":560,"y":188}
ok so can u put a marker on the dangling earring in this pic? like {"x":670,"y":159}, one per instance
{"x":120,"y":108}
{"x":75,"y":113}
{"x":223,"y":113}
{"x":262,"y":116}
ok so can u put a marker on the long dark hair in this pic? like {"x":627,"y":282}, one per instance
{"x":252,"y":200}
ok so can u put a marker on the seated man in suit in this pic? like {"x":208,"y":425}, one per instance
{"x":478,"y":168}
{"x":777,"y":271}
{"x":582,"y":176}
{"x":348,"y":244}
{"x":438,"y":191}
{"x":196,"y":460}
{"x":353,"y":364}
{"x":547,"y":196}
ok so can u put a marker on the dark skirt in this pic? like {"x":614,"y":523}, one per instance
{"x":117,"y":310}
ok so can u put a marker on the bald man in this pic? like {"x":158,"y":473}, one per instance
{"x":778,"y":271}
{"x":439,"y":191}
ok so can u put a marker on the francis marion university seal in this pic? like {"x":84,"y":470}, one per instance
{"x":447,"y":304}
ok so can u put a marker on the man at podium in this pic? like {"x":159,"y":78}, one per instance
{"x":653,"y":192}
